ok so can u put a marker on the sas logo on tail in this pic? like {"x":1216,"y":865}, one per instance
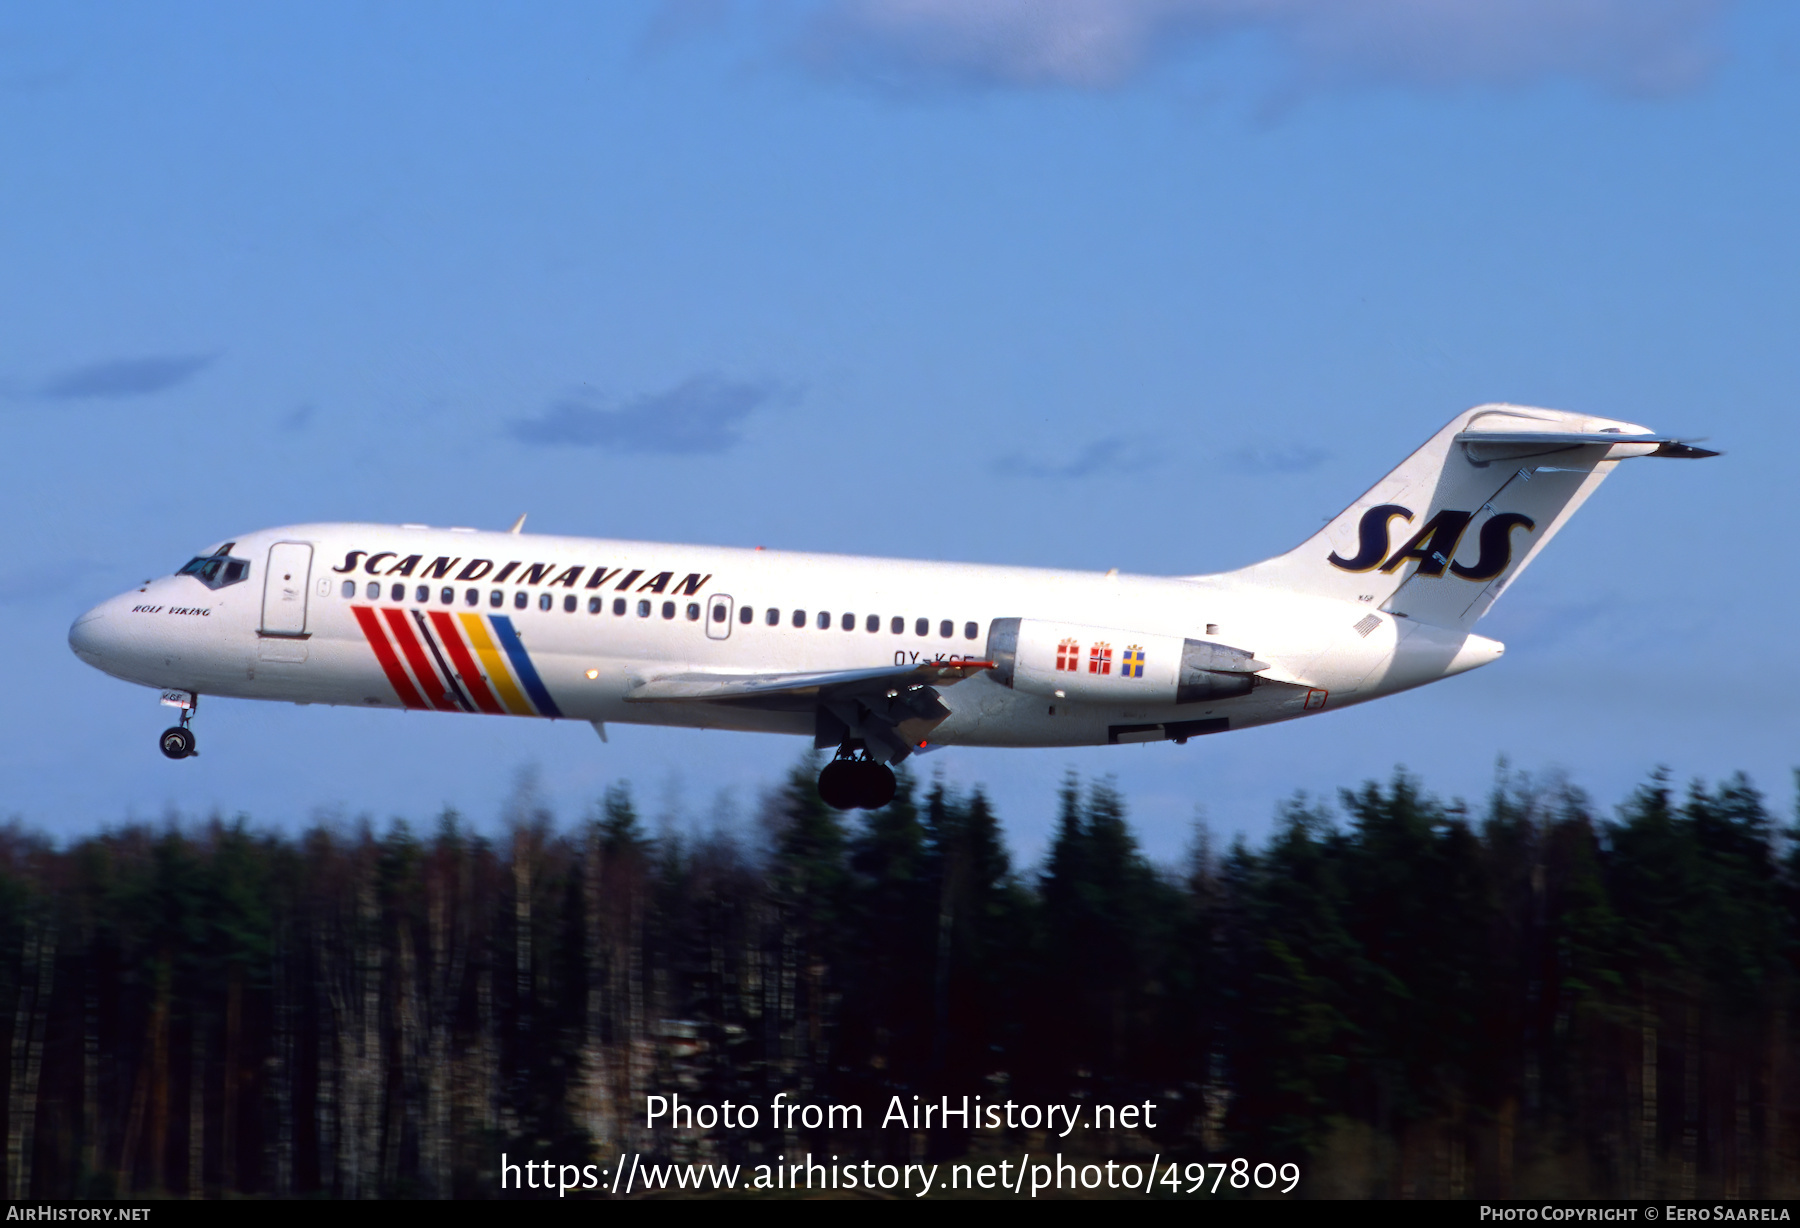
{"x":1433,"y":547}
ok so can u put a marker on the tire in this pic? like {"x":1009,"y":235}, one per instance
{"x":876,"y":786}
{"x":838,"y":785}
{"x":176,"y":742}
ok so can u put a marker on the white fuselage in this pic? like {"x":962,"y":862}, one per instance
{"x":458,"y":620}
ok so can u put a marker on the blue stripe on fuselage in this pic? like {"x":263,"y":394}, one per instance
{"x":521,"y":663}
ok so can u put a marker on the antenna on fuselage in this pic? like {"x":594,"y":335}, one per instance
{"x":518,"y":524}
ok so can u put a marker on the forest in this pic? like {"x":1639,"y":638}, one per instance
{"x":1538,"y":996}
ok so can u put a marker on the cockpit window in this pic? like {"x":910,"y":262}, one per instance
{"x":217,"y":571}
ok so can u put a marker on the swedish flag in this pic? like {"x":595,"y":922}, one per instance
{"x":1133,"y":664}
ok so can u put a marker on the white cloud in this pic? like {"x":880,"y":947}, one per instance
{"x":702,"y":414}
{"x":1631,"y":46}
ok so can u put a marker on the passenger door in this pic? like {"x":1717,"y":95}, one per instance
{"x":284,"y":589}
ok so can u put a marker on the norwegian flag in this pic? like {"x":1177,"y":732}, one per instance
{"x":1100,"y":659}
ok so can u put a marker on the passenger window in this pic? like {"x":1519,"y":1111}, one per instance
{"x":718,"y":614}
{"x":946,"y":628}
{"x":421,"y":594}
{"x":349,"y":588}
{"x":569,"y":603}
{"x":824,"y":621}
{"x":643,"y":609}
{"x":668,"y":609}
{"x":898,"y":626}
{"x":922,"y":627}
{"x":746,"y":616}
{"x":969,"y":630}
{"x":472,"y":596}
{"x":398,"y":592}
{"x":618,"y":607}
{"x":873,"y":625}
{"x":694,"y":612}
{"x":496,"y":599}
{"x":373,"y":591}
{"x":849,"y":622}
{"x":521,"y":599}
{"x":447,"y":596}
{"x":773,"y":617}
{"x":545,"y":600}
{"x":595,"y":605}
{"x":799,"y":618}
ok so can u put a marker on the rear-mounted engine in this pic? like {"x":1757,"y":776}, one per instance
{"x":1106,"y":665}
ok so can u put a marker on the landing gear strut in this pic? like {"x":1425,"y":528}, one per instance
{"x":853,"y":781}
{"x":177,"y":741}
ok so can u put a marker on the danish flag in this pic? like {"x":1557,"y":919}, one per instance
{"x":1068,"y":656}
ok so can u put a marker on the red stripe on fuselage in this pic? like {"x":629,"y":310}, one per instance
{"x":465,"y":664}
{"x":384,"y":653}
{"x":415,"y":657}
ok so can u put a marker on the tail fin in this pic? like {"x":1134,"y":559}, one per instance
{"x":1443,"y":535}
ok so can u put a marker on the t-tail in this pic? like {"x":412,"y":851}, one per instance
{"x":1442,"y":536}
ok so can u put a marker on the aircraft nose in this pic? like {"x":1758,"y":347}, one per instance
{"x":90,"y":636}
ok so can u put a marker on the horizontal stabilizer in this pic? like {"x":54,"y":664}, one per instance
{"x":1515,"y":445}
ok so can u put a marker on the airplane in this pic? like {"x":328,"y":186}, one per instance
{"x":874,"y":659}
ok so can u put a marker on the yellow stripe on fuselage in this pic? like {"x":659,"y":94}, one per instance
{"x":495,"y":665}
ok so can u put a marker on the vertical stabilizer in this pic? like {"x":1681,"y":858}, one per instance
{"x":1443,"y":535}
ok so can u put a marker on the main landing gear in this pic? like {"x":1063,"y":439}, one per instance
{"x":177,"y":741}
{"x":853,"y":781}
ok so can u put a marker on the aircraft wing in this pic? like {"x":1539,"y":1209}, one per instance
{"x":891,"y":708}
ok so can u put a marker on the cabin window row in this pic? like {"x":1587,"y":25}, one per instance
{"x":521,"y":600}
{"x":822,"y":619}
{"x":871,"y":623}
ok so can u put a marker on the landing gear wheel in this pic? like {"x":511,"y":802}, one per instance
{"x":856,"y":784}
{"x":876,"y":788}
{"x":177,"y":742}
{"x":838,"y":784}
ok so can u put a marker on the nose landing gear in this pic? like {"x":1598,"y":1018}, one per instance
{"x":853,"y":781}
{"x":177,"y":741}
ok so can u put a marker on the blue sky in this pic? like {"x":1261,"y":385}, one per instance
{"x":1150,"y":284}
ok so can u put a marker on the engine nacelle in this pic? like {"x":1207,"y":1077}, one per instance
{"x":1107,"y":665}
